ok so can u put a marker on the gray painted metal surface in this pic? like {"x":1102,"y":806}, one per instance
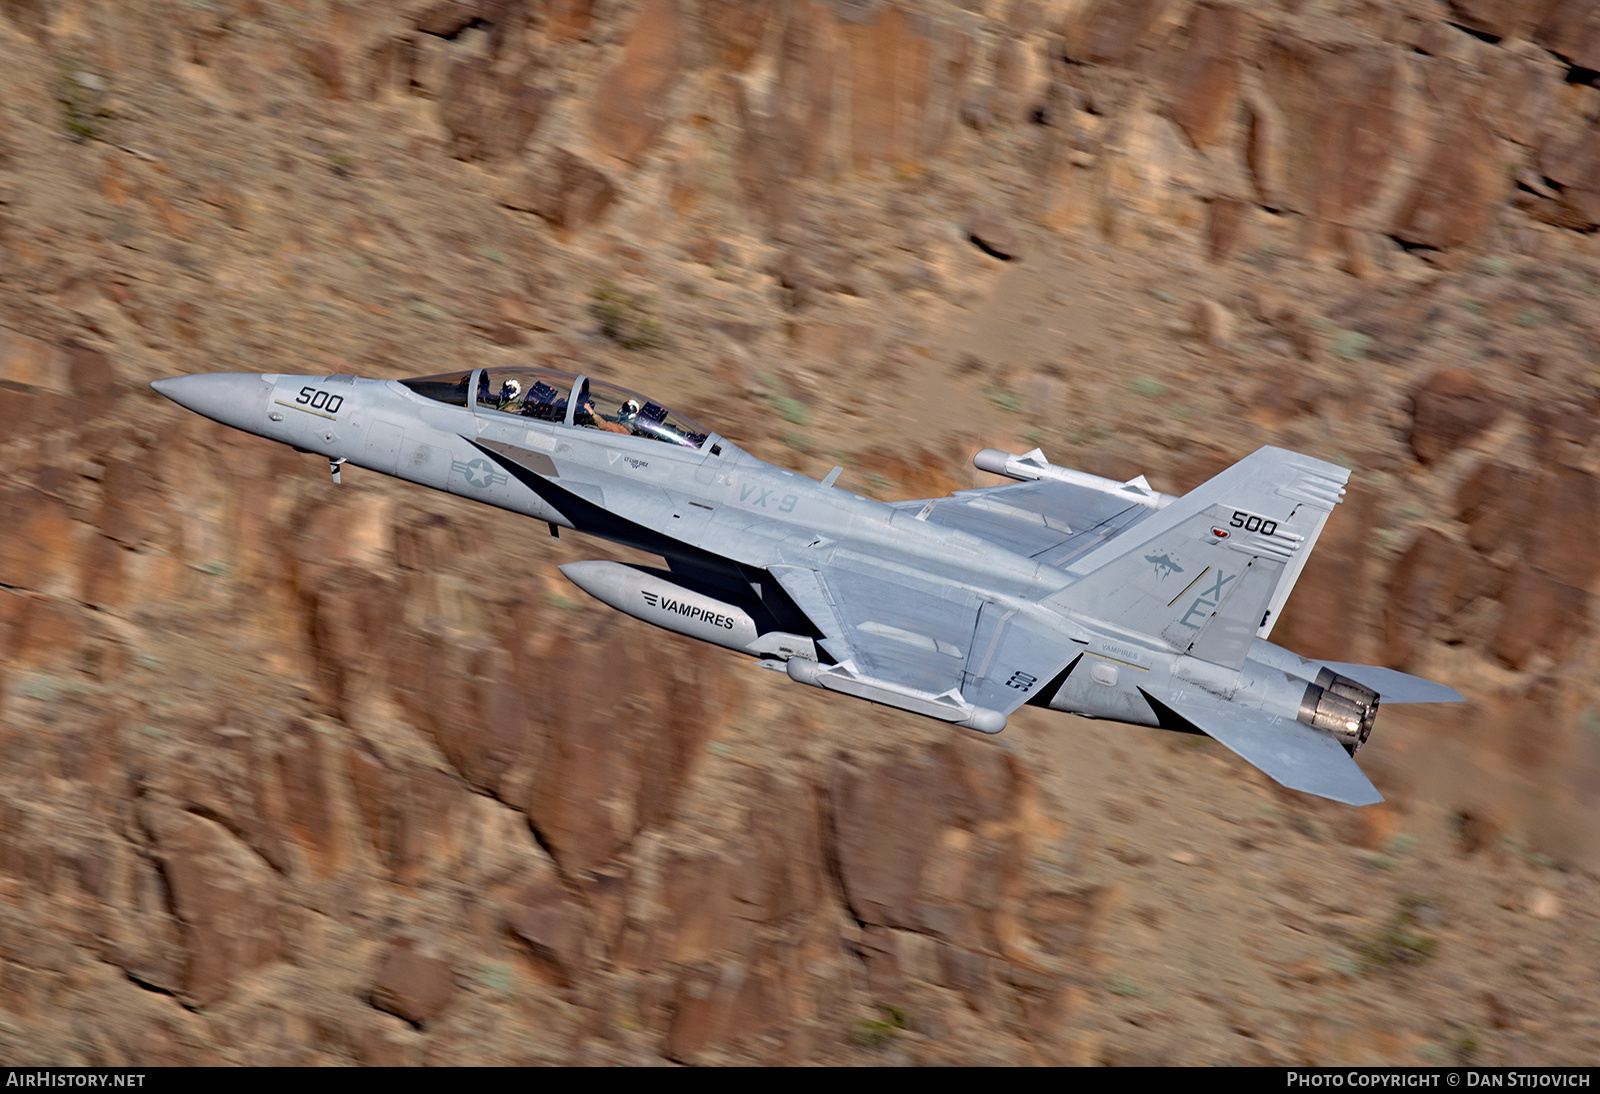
{"x":1062,"y":590}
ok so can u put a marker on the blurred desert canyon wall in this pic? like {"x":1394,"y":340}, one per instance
{"x":299,"y":773}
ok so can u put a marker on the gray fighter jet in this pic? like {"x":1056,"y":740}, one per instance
{"x":1063,"y":590}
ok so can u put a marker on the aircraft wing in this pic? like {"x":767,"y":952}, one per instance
{"x":1051,"y":521}
{"x":919,"y":642}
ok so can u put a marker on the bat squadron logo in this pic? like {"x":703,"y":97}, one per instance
{"x":480,"y":473}
{"x":1164,"y":565}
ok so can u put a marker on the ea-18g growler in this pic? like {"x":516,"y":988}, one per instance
{"x":1061,"y":589}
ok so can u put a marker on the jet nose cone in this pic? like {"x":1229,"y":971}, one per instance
{"x":238,"y":399}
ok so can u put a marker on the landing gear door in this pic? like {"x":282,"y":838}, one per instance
{"x":714,"y":462}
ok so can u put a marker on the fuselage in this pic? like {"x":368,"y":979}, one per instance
{"x":709,"y":507}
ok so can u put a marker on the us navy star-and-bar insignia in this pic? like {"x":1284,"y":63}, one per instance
{"x":479,"y":472}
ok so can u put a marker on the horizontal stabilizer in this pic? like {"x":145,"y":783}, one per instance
{"x":1393,"y":686}
{"x":1295,"y":755}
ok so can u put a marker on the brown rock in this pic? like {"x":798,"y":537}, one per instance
{"x":630,"y":100}
{"x":33,"y":363}
{"x":379,"y":1046}
{"x":1573,"y":164}
{"x":771,"y":153}
{"x":92,"y":380}
{"x":1010,"y":74}
{"x":802,"y":112}
{"x":502,"y":334}
{"x":140,"y":934}
{"x":30,"y":411}
{"x":917,"y":474}
{"x":1540,"y":614}
{"x":1433,"y":578}
{"x":46,"y":631}
{"x":1566,"y":526}
{"x":907,"y":77}
{"x":994,"y":236}
{"x":696,"y":893}
{"x":1451,"y":407}
{"x":1460,"y":186}
{"x":447,"y":18}
{"x":551,"y":923}
{"x":132,"y":504}
{"x":1497,"y":505}
{"x":693,"y":1013}
{"x":607,"y":768}
{"x":879,"y":952}
{"x":226,"y":898}
{"x":734,"y":29}
{"x":103,"y":574}
{"x":223,"y":778}
{"x":1563,"y":433}
{"x":1213,"y":324}
{"x":1501,"y":18}
{"x":1040,"y":996}
{"x":326,"y":67}
{"x":583,"y":761}
{"x":39,"y":547}
{"x":1570,"y":28}
{"x":429,"y":542}
{"x":906,"y":842}
{"x":464,"y":693}
{"x":490,"y":116}
{"x":301,"y":771}
{"x":413,"y":982}
{"x":1068,"y":924}
{"x":406,"y":811}
{"x":568,"y":192}
{"x":567,"y":19}
{"x":966,"y":972}
{"x":1325,"y":615}
{"x":1205,"y":86}
{"x":1108,"y":31}
{"x":780,"y":867}
{"x":1225,"y":219}
{"x":352,"y":616}
{"x":1335,"y":100}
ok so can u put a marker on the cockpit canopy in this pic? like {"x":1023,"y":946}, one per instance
{"x":547,"y":395}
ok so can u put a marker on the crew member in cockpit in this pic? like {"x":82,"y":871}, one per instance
{"x":588,"y":415}
{"x":508,"y":394}
{"x":629,"y":418}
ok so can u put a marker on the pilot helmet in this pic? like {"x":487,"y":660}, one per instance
{"x":630,"y":408}
{"x":512,"y":389}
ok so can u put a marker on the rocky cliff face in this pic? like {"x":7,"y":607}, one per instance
{"x":299,"y":773}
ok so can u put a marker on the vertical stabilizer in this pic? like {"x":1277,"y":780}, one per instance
{"x":1210,"y":572}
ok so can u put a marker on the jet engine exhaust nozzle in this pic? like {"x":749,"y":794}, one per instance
{"x":1341,"y":707}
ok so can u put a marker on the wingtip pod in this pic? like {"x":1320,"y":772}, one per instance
{"x":984,"y":720}
{"x":1033,"y":466}
{"x":803,"y":670}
